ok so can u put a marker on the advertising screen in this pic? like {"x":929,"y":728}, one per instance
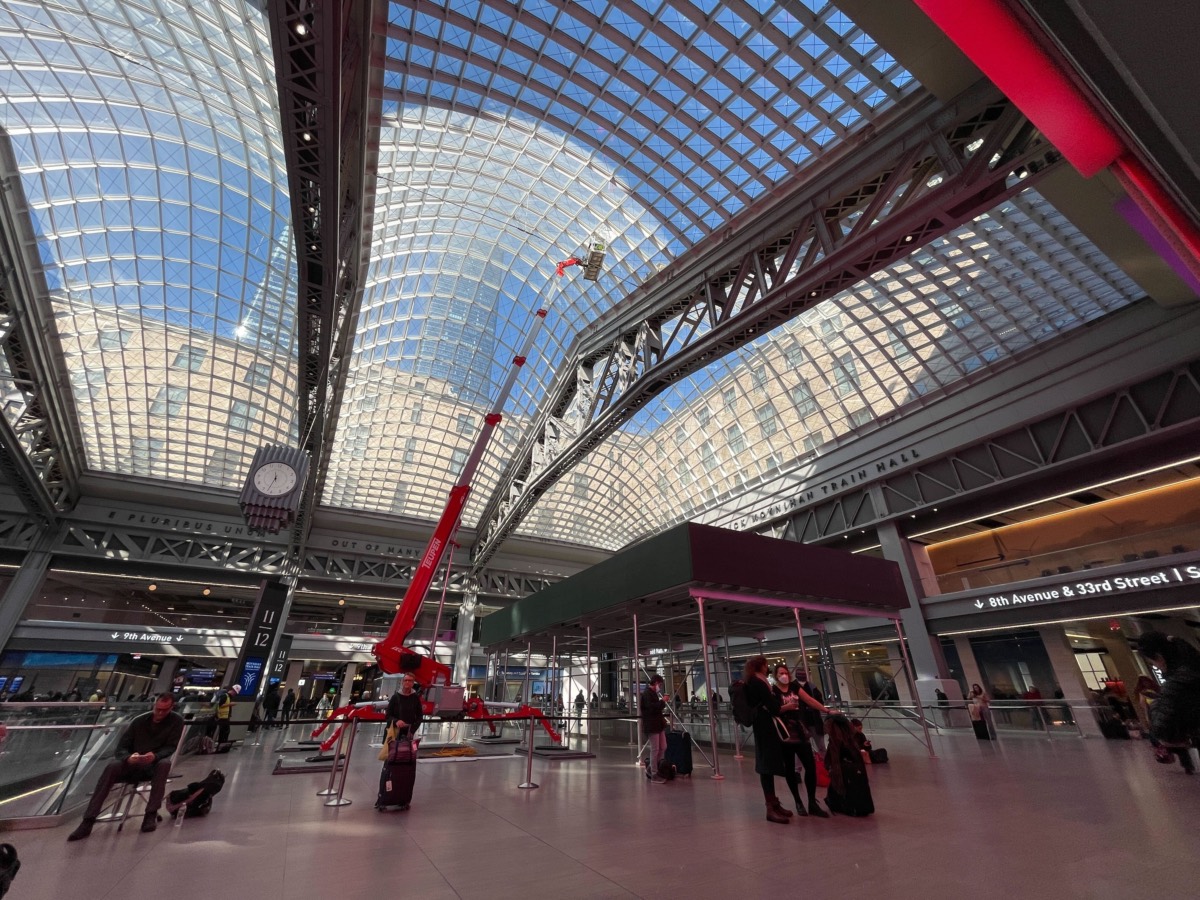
{"x":248,"y":677}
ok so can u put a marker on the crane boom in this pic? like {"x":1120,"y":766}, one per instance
{"x":390,"y":652}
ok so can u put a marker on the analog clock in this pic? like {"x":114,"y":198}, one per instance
{"x":275,"y":479}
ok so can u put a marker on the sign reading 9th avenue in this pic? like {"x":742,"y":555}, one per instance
{"x":1096,"y":587}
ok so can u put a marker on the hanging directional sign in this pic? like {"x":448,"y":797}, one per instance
{"x":1065,"y":590}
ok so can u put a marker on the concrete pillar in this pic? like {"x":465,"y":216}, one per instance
{"x":466,"y":628}
{"x":353,"y":621}
{"x":164,"y":681}
{"x":1070,"y":679}
{"x":295,"y":672}
{"x":919,"y":583}
{"x":970,"y":667}
{"x":24,"y":586}
{"x":348,"y":683}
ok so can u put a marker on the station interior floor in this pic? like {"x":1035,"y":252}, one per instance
{"x":1016,"y":818}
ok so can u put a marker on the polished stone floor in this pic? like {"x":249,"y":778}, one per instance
{"x":1023,"y":818}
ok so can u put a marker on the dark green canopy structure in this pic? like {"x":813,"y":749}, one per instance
{"x":749,"y":584}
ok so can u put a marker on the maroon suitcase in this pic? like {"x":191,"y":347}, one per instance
{"x":398,"y":776}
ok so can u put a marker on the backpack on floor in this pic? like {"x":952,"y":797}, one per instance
{"x":197,"y":797}
{"x":666,"y":771}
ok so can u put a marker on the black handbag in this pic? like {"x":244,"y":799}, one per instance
{"x":790,"y":731}
{"x":9,"y":864}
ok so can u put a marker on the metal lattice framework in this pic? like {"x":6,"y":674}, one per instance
{"x":87,"y":540}
{"x":929,"y":168}
{"x":1154,"y":415}
{"x":323,"y":67}
{"x":373,"y":570}
{"x":32,"y":454}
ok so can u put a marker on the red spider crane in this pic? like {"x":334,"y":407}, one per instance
{"x":390,"y":652}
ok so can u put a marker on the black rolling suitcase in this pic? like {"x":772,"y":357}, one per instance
{"x":679,"y":751}
{"x":398,"y":776}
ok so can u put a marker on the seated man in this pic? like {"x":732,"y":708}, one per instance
{"x":143,"y":754}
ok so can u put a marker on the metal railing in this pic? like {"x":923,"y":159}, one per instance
{"x":51,"y":755}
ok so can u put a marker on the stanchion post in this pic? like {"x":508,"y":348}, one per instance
{"x":528,"y":783}
{"x":590,"y":689}
{"x":338,"y":800}
{"x":737,"y":735}
{"x":634,"y":680}
{"x":712,"y":711}
{"x":337,"y":754}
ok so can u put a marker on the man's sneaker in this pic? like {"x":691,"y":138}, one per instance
{"x":82,"y":830}
{"x":657,"y":780}
{"x":649,"y":772}
{"x":150,"y":822}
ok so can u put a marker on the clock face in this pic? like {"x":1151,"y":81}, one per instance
{"x":275,"y":479}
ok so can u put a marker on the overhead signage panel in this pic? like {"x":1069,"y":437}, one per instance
{"x":1066,"y":591}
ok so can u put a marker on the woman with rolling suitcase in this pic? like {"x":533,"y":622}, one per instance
{"x":399,"y":773}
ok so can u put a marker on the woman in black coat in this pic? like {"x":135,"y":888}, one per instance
{"x":770,"y":759}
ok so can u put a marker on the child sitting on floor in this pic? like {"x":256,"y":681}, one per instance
{"x":849,"y":790}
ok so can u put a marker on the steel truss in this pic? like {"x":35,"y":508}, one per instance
{"x":245,"y":553}
{"x":33,"y":455}
{"x":325,"y":74}
{"x":1155,"y":416}
{"x":930,"y":168}
{"x":345,"y":567}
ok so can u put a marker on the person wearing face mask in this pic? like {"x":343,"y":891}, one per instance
{"x":792,"y":699}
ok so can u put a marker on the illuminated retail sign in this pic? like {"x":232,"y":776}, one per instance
{"x":1094,"y":587}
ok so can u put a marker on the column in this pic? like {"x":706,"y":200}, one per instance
{"x":463,"y":642}
{"x":1070,"y":679}
{"x":920,"y":581}
{"x":164,"y":681}
{"x":295,"y":672}
{"x":971,"y":670}
{"x":24,"y":587}
{"x":347,"y":684}
{"x":353,"y":620}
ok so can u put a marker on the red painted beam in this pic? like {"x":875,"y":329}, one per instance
{"x":988,"y":33}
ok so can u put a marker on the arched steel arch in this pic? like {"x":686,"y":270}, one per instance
{"x":928,"y":168}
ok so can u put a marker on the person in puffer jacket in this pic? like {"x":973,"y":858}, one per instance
{"x":1175,"y":715}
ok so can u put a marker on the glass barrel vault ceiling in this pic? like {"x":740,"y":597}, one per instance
{"x":513,"y":136}
{"x":147,"y":138}
{"x":146,"y":134}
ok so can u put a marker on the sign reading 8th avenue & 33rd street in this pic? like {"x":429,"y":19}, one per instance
{"x":1111,"y":585}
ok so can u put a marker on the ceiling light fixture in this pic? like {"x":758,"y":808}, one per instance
{"x":301,"y":29}
{"x":1092,"y":487}
{"x":153,"y":587}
